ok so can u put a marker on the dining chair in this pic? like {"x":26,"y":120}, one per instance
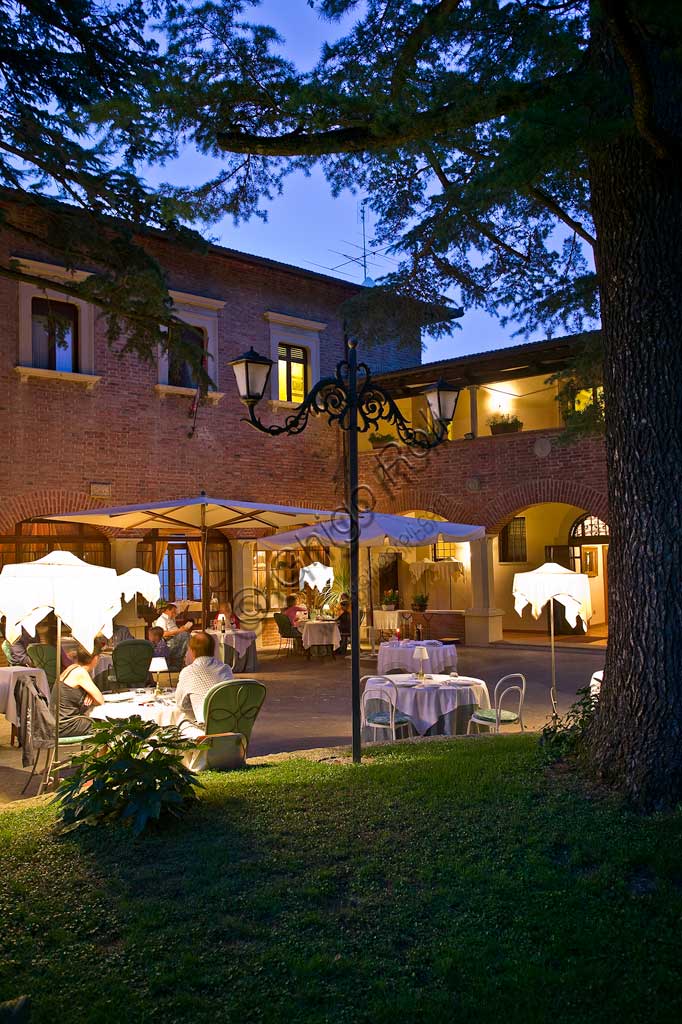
{"x":44,"y":656}
{"x":496,"y":716}
{"x":289,"y":637}
{"x":230,"y":711}
{"x":131,"y":659}
{"x":378,"y":718}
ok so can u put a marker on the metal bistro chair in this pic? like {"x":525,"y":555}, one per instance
{"x":391,"y":719}
{"x":230,"y":711}
{"x":44,"y":656}
{"x":289,"y":637}
{"x":494,"y":717}
{"x":131,"y":659}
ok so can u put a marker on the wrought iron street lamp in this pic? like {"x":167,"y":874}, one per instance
{"x":352,"y":399}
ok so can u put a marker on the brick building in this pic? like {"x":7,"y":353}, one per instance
{"x":84,"y":427}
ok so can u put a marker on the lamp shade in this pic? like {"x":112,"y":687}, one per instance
{"x":252,"y":372}
{"x":442,"y":399}
{"x":420,"y":653}
{"x":158,"y":665}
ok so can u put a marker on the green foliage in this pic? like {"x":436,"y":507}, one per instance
{"x":581,"y":392}
{"x":389,"y":597}
{"x":379,"y":440}
{"x":506,"y":419}
{"x":132,"y":773}
{"x":567,"y":736}
{"x":420,"y":602}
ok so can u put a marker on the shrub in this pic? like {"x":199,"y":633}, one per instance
{"x":506,"y":419}
{"x":131,"y":773}
{"x":565,"y":737}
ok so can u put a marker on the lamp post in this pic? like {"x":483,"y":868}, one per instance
{"x":352,"y":399}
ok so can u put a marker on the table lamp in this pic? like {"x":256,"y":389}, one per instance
{"x":158,"y":665}
{"x":421,"y":655}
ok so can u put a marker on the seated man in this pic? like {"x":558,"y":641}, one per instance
{"x":200,"y":676}
{"x":174,"y":634}
{"x":293,"y":610}
{"x":155,"y":637}
{"x":343,"y":622}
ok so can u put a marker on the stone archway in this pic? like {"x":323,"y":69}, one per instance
{"x":42,"y":503}
{"x":509,"y":503}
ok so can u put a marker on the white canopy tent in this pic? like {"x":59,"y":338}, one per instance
{"x":549,"y":583}
{"x":86,"y":597}
{"x":377,"y":530}
{"x":196,"y":515}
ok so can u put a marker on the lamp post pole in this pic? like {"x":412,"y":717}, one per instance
{"x":354,"y":523}
{"x":352,"y":399}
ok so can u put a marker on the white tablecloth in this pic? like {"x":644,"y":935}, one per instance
{"x":399,"y":657}
{"x":129,"y":702}
{"x":437,"y":698}
{"x":387,"y":620}
{"x":8,"y":679}
{"x":321,"y":634}
{"x":105,"y":663}
{"x":240,"y":639}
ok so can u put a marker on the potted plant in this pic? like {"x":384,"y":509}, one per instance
{"x":420,"y":602}
{"x":389,"y":600}
{"x":381,"y":440}
{"x":504,"y":423}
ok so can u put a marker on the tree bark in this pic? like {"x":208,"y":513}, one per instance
{"x":637,"y":208}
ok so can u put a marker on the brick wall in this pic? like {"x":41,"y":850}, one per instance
{"x":488,"y":480}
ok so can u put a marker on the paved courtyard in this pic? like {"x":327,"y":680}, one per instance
{"x":308,"y":702}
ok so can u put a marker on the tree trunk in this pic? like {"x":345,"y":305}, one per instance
{"x":637,"y":209}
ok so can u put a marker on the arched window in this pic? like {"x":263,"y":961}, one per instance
{"x":589,"y":529}
{"x":177,"y":560}
{"x":33,"y":540}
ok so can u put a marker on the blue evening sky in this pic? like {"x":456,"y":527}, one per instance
{"x":306,"y":226}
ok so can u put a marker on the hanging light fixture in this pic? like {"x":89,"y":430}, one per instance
{"x":252,"y":372}
{"x":442,"y":400}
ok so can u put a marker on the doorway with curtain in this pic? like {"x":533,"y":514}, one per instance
{"x":178,"y":562}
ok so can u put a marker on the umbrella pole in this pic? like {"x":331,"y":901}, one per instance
{"x":551,"y":635}
{"x":204,"y":570}
{"x":57,"y":687}
{"x":370,"y":600}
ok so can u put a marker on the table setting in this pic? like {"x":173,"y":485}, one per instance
{"x":400,"y":654}
{"x":320,"y":636}
{"x":143,"y":702}
{"x":437,"y":704}
{"x":243,"y":641}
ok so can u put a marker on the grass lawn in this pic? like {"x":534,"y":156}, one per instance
{"x":436,"y":882}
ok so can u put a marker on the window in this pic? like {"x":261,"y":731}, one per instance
{"x":177,"y":560}
{"x":54,"y":335}
{"x":512,"y":541}
{"x":33,"y":540}
{"x":292,"y":373}
{"x":182,"y":371}
{"x":443,"y":549}
{"x":276,"y":573}
{"x":590,"y":528}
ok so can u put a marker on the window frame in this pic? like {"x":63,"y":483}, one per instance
{"x":51,"y":310}
{"x":505,"y":547}
{"x":86,"y":323}
{"x":289,"y":361}
{"x":202,"y":312}
{"x":299,"y":333}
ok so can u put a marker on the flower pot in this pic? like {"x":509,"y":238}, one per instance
{"x":388,"y":607}
{"x":504,"y":428}
{"x":419,"y":607}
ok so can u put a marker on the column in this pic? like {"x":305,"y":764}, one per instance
{"x":243,"y":595}
{"x":473,"y":409}
{"x":482,"y":622}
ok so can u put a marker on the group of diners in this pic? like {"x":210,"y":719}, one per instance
{"x":78,"y":693}
{"x":298,"y":614}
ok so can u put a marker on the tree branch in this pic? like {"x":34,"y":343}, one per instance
{"x":415,"y":127}
{"x":634,"y":58}
{"x":551,"y":204}
{"x":427,"y":27}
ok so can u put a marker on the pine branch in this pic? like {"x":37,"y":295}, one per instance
{"x":373,"y":135}
{"x":551,"y":204}
{"x":425,"y":29}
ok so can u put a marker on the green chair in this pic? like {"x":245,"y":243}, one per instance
{"x":496,"y":716}
{"x":44,"y":656}
{"x":230,"y":710}
{"x":289,"y":636}
{"x":131,"y":659}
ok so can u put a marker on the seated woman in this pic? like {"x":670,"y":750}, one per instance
{"x":343,"y":622}
{"x":77,"y":694}
{"x":226,"y":615}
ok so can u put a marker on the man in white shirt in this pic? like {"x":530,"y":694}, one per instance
{"x":200,"y":676}
{"x":167,"y":623}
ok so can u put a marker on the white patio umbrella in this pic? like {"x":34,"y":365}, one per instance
{"x":86,"y":597}
{"x":196,"y":515}
{"x":552,"y":582}
{"x":377,"y":529}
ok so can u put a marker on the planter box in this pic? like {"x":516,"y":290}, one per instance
{"x":504,"y":428}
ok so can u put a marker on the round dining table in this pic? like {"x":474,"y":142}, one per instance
{"x":396,"y":655}
{"x":243,"y":641}
{"x":162,"y":710}
{"x":436,"y":705}
{"x":320,"y":636}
